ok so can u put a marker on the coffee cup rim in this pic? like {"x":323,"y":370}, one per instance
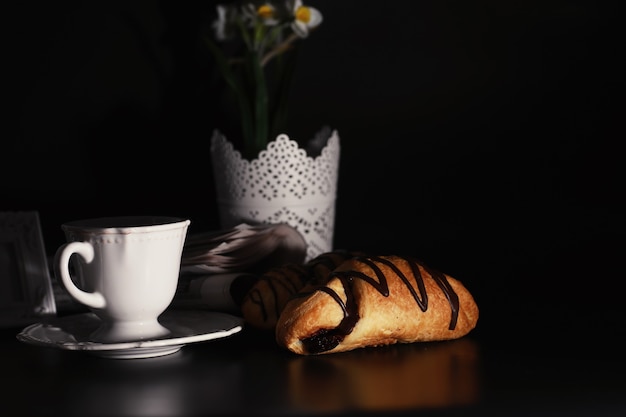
{"x":125,"y":224}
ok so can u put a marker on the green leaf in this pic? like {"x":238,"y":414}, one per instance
{"x":286,"y":65}
{"x":261,"y":117}
{"x":238,"y":89}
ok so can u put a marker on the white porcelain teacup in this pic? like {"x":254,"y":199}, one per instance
{"x":126,"y":271}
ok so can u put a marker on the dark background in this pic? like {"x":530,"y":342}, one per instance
{"x":483,"y":137}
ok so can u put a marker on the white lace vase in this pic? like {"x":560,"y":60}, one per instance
{"x":284,"y":184}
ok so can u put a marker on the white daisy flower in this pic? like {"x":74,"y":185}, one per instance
{"x":305,"y":18}
{"x":267,"y":13}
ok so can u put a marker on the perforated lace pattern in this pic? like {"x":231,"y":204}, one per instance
{"x":282,"y":185}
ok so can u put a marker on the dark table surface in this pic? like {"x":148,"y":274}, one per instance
{"x":548,"y":342}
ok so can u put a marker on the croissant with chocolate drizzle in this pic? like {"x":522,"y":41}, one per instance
{"x":375,"y":301}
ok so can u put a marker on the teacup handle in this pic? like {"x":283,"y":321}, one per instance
{"x":63,"y":255}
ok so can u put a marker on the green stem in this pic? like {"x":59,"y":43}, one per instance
{"x":279,"y":49}
{"x":261,"y":117}
{"x":239,"y":91}
{"x":286,"y":68}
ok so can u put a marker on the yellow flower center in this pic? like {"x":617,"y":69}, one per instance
{"x":265,"y":11}
{"x":303,"y":14}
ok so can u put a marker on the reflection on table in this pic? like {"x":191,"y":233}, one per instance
{"x":420,"y":375}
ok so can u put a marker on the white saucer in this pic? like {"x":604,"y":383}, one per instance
{"x":186,"y":326}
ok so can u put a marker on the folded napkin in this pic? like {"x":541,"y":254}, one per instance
{"x":242,"y":248}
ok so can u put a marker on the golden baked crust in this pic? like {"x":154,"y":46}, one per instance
{"x":376,"y":300}
{"x":265,"y":300}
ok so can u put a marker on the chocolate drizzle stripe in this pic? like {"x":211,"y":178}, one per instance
{"x":280,"y":278}
{"x":336,"y":298}
{"x":448,"y":291}
{"x":421,"y":302}
{"x":324,"y":260}
{"x":255,"y":297}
